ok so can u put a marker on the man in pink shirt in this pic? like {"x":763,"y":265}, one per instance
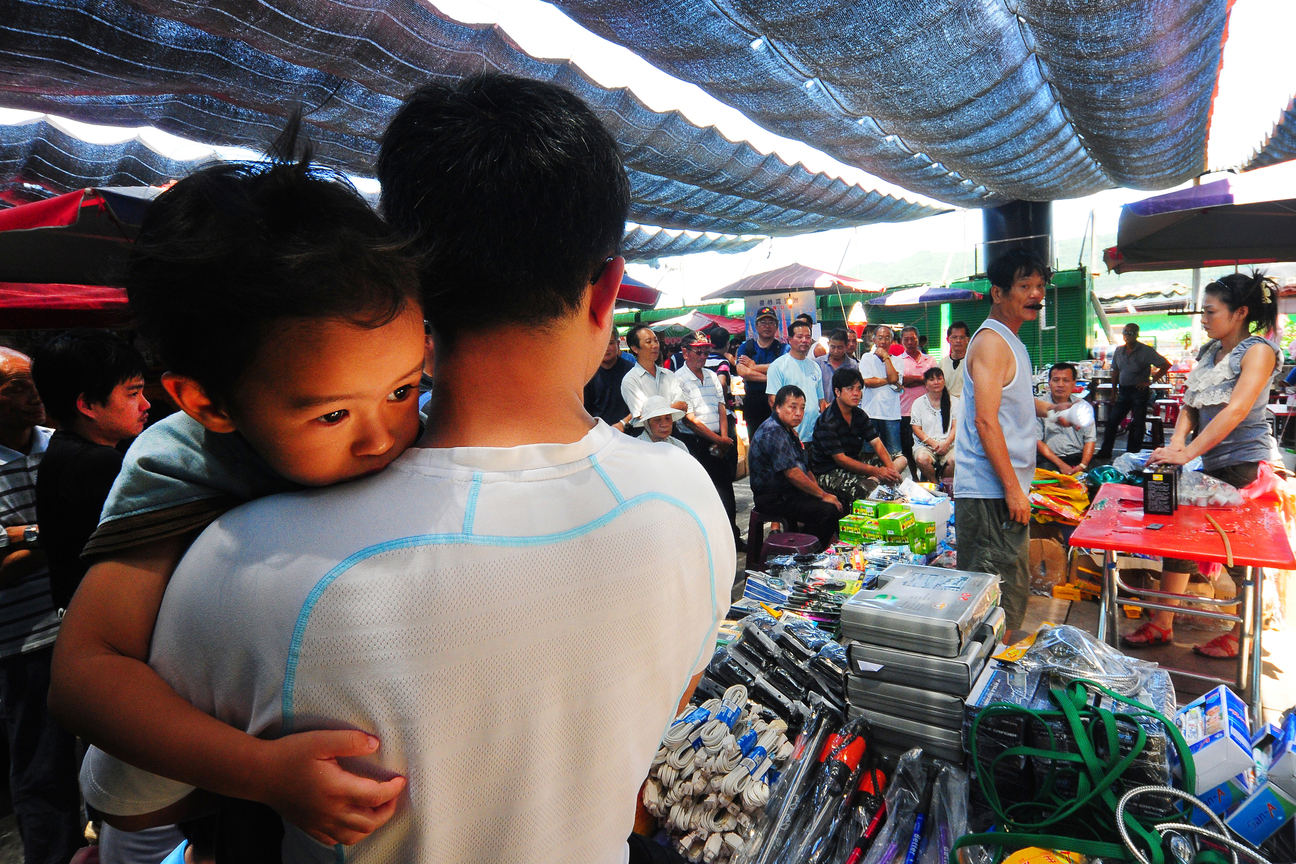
{"x":915,"y":364}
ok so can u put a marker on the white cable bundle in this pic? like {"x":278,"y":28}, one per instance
{"x":701,"y":784}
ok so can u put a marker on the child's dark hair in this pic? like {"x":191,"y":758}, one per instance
{"x":1257,"y":292}
{"x":234,"y":248}
{"x":82,"y":362}
{"x":515,"y":193}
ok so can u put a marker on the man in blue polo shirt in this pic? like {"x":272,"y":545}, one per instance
{"x":754,"y":359}
{"x":797,"y":367}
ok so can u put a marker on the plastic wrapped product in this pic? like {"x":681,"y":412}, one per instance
{"x":1068,"y":653}
{"x":949,"y":815}
{"x":1202,"y":490}
{"x":903,"y":796}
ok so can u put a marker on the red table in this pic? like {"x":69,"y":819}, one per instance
{"x":1116,"y":522}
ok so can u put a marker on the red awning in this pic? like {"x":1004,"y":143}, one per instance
{"x":50,"y":306}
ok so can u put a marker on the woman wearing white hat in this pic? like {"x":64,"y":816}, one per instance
{"x":657,"y":417}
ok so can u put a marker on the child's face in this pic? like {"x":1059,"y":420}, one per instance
{"x":326,"y":401}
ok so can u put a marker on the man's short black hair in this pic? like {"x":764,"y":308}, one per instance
{"x":799,"y":322}
{"x":845,"y":378}
{"x":82,"y":362}
{"x":786,"y":392}
{"x":1064,"y":367}
{"x":1015,"y":264}
{"x":513,"y":191}
{"x":806,"y":317}
{"x":841,"y":334}
{"x":632,"y":335}
{"x":958,"y":325}
{"x":905,"y":329}
{"x":1131,"y":326}
{"x":235,"y":248}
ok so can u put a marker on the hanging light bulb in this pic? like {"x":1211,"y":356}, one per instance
{"x":857,"y":320}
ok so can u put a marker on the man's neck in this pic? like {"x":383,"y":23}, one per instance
{"x":763,"y":342}
{"x":476,"y":403}
{"x":20,"y":438}
{"x":846,"y":411}
{"x":610,"y":362}
{"x":1013,"y":324}
{"x":915,"y":354}
{"x":799,"y":356}
{"x":650,"y":367}
{"x":83,"y":428}
{"x":697,"y":373}
{"x":960,"y":356}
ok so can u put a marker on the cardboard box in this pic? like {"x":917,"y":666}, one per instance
{"x":1225,"y":797}
{"x":1282,"y":757}
{"x":1218,"y":734}
{"x":886,"y":508}
{"x":1262,"y":814}
{"x":922,"y":538}
{"x":866,"y":507}
{"x":895,"y":527}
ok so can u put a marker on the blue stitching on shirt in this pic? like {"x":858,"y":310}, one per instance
{"x":607,"y":480}
{"x":303,"y":617}
{"x":470,"y":512}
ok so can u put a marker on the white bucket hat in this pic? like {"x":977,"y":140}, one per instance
{"x":657,"y":406}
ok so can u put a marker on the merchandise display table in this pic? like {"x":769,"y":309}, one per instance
{"x":1258,"y":538}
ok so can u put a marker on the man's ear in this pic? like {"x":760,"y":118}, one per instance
{"x":603,"y":295}
{"x":194,"y":401}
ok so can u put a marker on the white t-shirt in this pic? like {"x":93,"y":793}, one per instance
{"x":704,"y":396}
{"x":805,"y":374}
{"x":516,"y":625}
{"x":638,"y":384}
{"x":927,"y":417}
{"x":880,"y":403}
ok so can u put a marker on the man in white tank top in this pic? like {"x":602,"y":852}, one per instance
{"x":995,"y":443}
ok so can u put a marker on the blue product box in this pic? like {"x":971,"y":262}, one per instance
{"x":1262,"y":814}
{"x":1282,"y":757}
{"x":1225,"y":797}
{"x":1218,"y":734}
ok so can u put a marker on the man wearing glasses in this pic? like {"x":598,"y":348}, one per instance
{"x":705,"y":427}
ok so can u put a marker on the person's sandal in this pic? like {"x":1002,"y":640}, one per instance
{"x":1220,"y":648}
{"x":1149,"y":634}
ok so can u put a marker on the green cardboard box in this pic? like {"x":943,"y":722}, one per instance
{"x":922,"y":538}
{"x":886,"y":508}
{"x":870,"y":530}
{"x":895,"y":527}
{"x":866,"y":507}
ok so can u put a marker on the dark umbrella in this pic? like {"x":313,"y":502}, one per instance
{"x":81,"y":238}
{"x":1247,"y":219}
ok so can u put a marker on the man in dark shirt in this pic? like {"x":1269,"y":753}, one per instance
{"x":754,"y":359}
{"x":92,"y":383}
{"x":1136,"y":365}
{"x":781,"y":483}
{"x":603,"y":397}
{"x":837,"y":460}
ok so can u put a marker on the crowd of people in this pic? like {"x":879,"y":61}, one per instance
{"x":369,"y":585}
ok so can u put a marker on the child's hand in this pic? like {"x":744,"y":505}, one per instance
{"x":305,"y":785}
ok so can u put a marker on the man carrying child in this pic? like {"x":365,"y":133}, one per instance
{"x":516,"y":606}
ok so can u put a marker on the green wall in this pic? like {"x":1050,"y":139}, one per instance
{"x":1068,"y":317}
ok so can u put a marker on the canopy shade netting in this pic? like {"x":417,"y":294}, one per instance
{"x":967,"y":101}
{"x":229,"y":72}
{"x":794,"y":277}
{"x":1280,"y":146}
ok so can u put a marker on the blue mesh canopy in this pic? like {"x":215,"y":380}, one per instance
{"x":968,"y":101}
{"x":1281,"y":144}
{"x":43,"y":155}
{"x":229,"y":72}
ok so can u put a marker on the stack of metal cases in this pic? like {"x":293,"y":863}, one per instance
{"x":917,"y":698}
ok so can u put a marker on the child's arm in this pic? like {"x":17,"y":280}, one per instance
{"x":103,"y":689}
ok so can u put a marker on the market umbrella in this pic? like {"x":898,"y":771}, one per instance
{"x":795,"y":277}
{"x":635,"y":293}
{"x":1245,"y":219}
{"x":52,"y":306}
{"x":81,"y":238}
{"x":695,"y":320}
{"x":924,"y":294}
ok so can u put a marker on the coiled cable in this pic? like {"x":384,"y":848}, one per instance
{"x":1220,"y":836}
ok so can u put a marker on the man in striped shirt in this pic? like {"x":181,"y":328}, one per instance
{"x":43,"y":778}
{"x":705,"y":427}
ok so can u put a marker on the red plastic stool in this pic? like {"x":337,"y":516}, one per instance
{"x":788,"y":543}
